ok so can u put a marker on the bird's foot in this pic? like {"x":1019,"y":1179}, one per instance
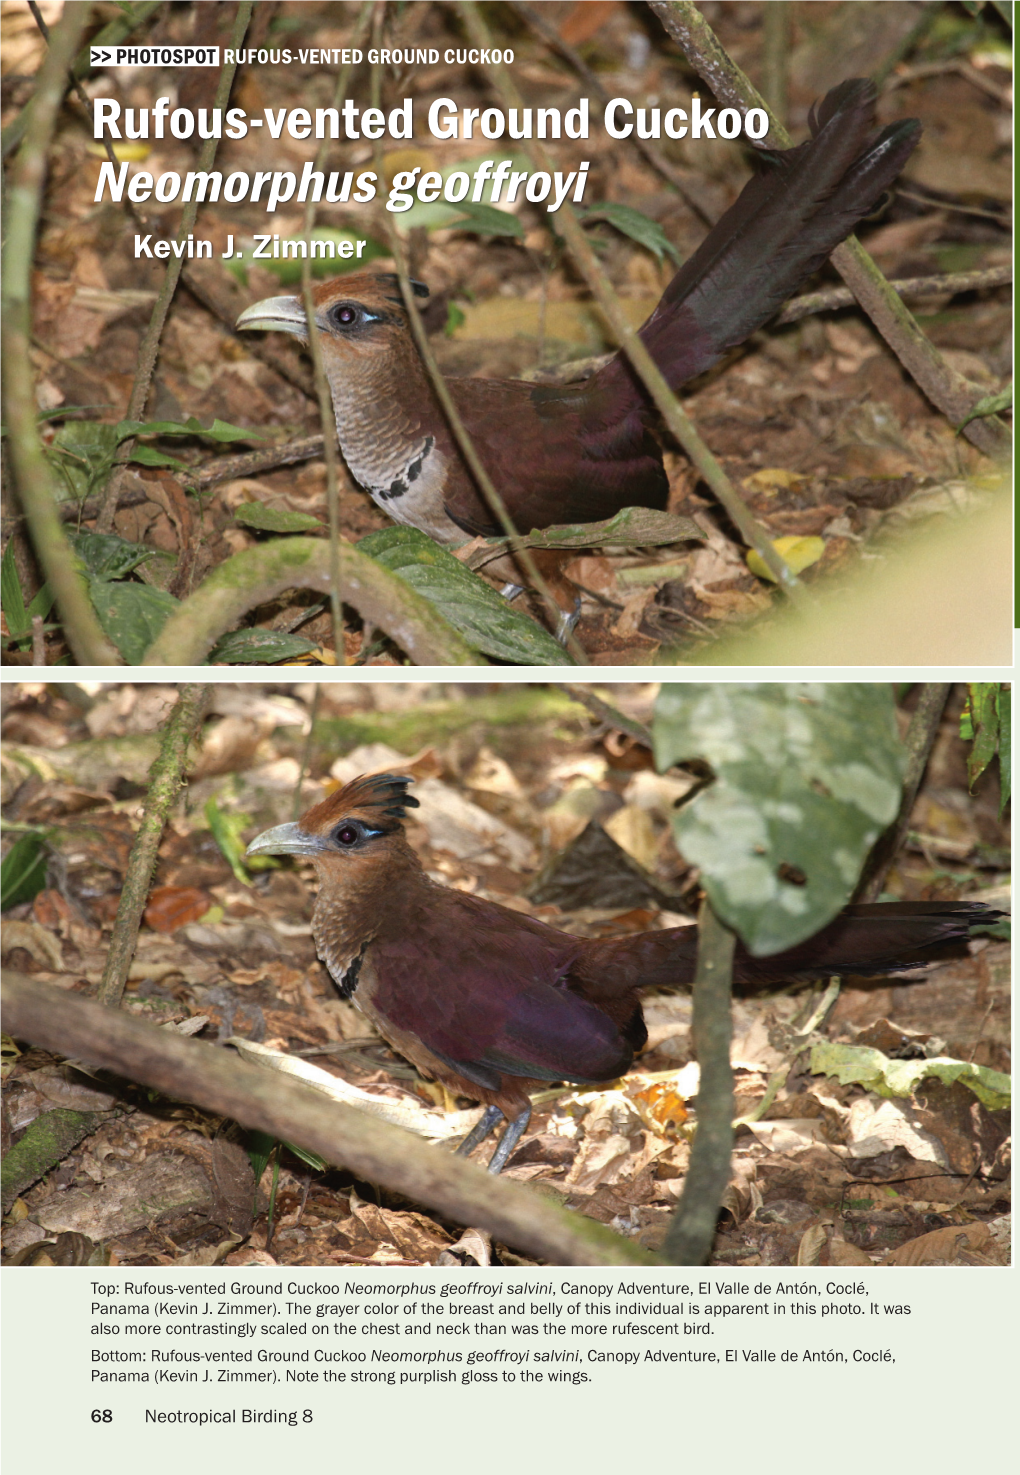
{"x":511,"y":591}
{"x":509,"y":1140}
{"x":481,"y":1129}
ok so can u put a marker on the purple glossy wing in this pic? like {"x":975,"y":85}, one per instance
{"x":484,"y":988}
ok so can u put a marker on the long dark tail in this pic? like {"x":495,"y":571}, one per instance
{"x":800,"y":205}
{"x":880,"y":937}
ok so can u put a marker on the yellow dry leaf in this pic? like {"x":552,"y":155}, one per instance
{"x":772,"y":479}
{"x":124,"y":151}
{"x":799,"y":553}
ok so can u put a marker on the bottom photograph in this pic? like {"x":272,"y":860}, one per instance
{"x":472,"y":974}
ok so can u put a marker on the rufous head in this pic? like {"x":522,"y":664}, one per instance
{"x":357,"y":821}
{"x":360,"y":309}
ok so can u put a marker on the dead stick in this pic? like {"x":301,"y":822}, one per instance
{"x":190,"y":1070}
{"x":165,"y":779}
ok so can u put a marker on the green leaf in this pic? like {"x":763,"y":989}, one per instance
{"x":485,"y":220}
{"x":315,"y":1162}
{"x":447,"y":215}
{"x":23,"y":872}
{"x":275,"y":519}
{"x":454,"y":318}
{"x":41,"y":603}
{"x":219,"y":430}
{"x":132,"y":615}
{"x":979,"y":725}
{"x":106,"y":556}
{"x":862,"y":1065}
{"x":985,"y":724}
{"x":12,"y":601}
{"x":638,"y":227}
{"x":226,"y":829}
{"x":991,"y":404}
{"x":1005,"y":745}
{"x":258,"y":648}
{"x":260,"y":1150}
{"x":807,"y":776}
{"x":472,"y":607}
{"x":83,"y":452}
{"x":147,"y":456}
{"x":632,"y":527}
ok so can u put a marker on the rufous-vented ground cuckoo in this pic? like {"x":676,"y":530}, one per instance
{"x":581,"y":452}
{"x":493,"y":1003}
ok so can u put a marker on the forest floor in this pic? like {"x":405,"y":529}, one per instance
{"x":529,"y":801}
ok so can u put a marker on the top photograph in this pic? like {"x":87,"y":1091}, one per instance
{"x":545,"y":335}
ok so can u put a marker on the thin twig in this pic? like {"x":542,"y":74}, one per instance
{"x":919,"y":741}
{"x":939,"y":285}
{"x":934,"y":202}
{"x":692,"y":1230}
{"x":947,"y":390}
{"x":149,"y":347}
{"x":775,"y":55}
{"x":327,"y":415}
{"x":291,"y":1111}
{"x":677,"y":420}
{"x":32,"y":473}
{"x":902,"y":75}
{"x":518,"y":547}
{"x":165,"y":780}
{"x":250,"y":463}
{"x":606,"y":713}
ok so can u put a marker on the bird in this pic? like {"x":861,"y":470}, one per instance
{"x":581,"y":452}
{"x":493,"y":1003}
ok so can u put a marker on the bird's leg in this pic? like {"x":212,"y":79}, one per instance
{"x":511,"y":591}
{"x":481,"y":1129}
{"x":509,"y":1140}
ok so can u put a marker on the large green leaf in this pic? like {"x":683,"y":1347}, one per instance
{"x":12,"y":600}
{"x":258,"y":647}
{"x":862,"y":1065}
{"x":106,"y":556}
{"x":275,"y":519}
{"x":631,"y":527}
{"x":807,"y":776}
{"x":985,"y":724}
{"x":132,"y":615}
{"x":219,"y":430}
{"x":82,"y":451}
{"x":473,"y":608}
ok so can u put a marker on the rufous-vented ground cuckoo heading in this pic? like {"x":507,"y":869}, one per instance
{"x":581,"y":452}
{"x":493,"y":1003}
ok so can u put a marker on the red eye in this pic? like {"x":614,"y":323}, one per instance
{"x":346,"y":316}
{"x":347,"y":835}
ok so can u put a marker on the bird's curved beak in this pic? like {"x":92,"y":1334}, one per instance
{"x":276,"y":314}
{"x":285,"y":840}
